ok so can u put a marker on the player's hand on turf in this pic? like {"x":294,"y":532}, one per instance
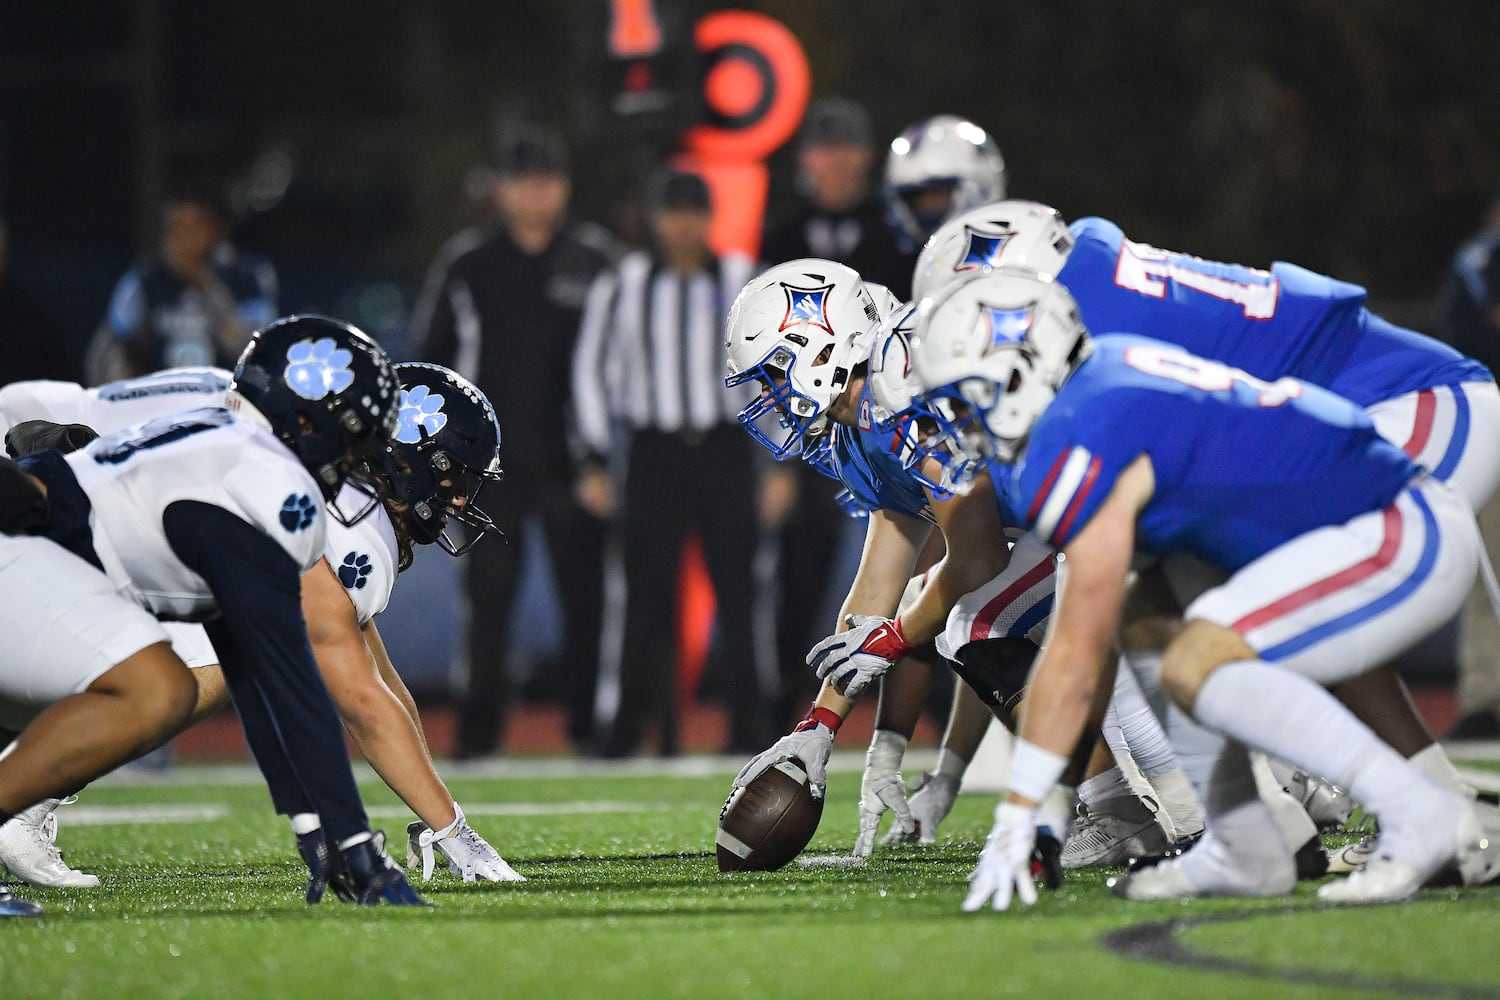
{"x":811,"y":743}
{"x":930,"y":805}
{"x":850,"y":660}
{"x":882,"y":789}
{"x":1004,"y":867}
{"x":469,"y":856}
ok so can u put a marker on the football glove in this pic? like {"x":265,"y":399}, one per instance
{"x":373,"y":878}
{"x":930,"y":805}
{"x":1004,"y":867}
{"x":850,"y":660}
{"x":324,"y":867}
{"x":811,"y":743}
{"x":882,"y":789}
{"x":468,"y":855}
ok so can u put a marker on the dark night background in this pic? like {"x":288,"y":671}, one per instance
{"x":1357,"y":138}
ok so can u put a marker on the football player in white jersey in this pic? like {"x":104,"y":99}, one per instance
{"x":211,"y":512}
{"x":443,"y":420}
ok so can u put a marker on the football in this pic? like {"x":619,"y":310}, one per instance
{"x":767,"y":823}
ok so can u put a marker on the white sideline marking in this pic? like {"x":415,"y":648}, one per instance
{"x":544,"y":808}
{"x":208,"y":812}
{"x":84,"y":815}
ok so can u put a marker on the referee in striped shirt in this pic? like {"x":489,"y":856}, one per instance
{"x":648,"y":381}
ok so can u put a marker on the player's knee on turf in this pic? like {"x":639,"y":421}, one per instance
{"x":1198,"y":651}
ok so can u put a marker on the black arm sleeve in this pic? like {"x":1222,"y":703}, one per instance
{"x":270,"y":664}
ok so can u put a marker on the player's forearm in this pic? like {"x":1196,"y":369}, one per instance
{"x":903,"y":695}
{"x":385,"y":735}
{"x":393,"y":681}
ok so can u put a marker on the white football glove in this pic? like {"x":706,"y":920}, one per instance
{"x":1005,"y":863}
{"x":850,"y":660}
{"x":882,"y":789}
{"x":930,"y":805}
{"x":468,"y":855}
{"x":811,"y":743}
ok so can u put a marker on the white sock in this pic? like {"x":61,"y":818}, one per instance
{"x":1293,"y":718}
{"x":305,"y":823}
{"x":1178,"y":801}
{"x":356,"y":840}
{"x":1140,"y":729}
{"x":951,"y":765}
{"x":1433,"y":761}
{"x":1198,"y":748}
{"x":1109,"y":784}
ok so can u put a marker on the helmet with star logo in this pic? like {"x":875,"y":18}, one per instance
{"x":802,"y":330}
{"x":446,"y":446}
{"x":1013,"y":232}
{"x":325,"y":389}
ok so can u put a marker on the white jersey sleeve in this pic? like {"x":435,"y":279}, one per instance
{"x":363,"y":556}
{"x":207,"y":455}
{"x":113,"y":406}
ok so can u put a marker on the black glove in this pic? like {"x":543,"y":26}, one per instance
{"x":31,"y":436}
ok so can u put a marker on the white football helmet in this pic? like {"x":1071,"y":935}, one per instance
{"x":885,"y":299}
{"x":799,"y":330}
{"x":1014,"y":232}
{"x":890,"y":365}
{"x":941,"y":153}
{"x":989,"y":353}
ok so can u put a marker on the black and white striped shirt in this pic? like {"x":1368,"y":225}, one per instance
{"x":650,"y":350}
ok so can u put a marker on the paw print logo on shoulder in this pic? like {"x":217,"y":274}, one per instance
{"x":317,"y":368}
{"x":355,"y":571}
{"x":420,"y":411}
{"x":298,"y":512}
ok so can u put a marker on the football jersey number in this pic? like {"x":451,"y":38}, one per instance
{"x":1208,"y":376}
{"x":1147,"y":270}
{"x":154,"y":433}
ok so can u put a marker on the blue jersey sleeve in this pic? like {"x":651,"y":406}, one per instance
{"x":1070,"y":468}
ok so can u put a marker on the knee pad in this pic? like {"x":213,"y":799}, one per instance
{"x":997,"y":669}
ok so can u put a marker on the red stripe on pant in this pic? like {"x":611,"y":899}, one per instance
{"x":1389,"y":546}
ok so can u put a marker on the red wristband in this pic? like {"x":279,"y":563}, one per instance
{"x":818,"y":715}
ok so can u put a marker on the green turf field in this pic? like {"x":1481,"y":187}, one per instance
{"x":623,"y":900}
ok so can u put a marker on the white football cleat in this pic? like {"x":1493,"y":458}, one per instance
{"x":1112,"y":832}
{"x":468,"y":855}
{"x":28,"y":848}
{"x":1327,"y":804}
{"x":930,"y":805}
{"x":1388,"y":877}
{"x":1352,"y":857}
{"x":1207,"y":869}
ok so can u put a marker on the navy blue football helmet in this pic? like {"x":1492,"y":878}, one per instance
{"x":327,"y":391}
{"x":445,"y":447}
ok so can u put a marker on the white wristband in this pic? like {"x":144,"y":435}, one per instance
{"x":1033,"y":770}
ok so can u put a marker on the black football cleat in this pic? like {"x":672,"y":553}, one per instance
{"x":325,"y":867}
{"x":1046,"y":860}
{"x":374,"y":879}
{"x":11,"y":906}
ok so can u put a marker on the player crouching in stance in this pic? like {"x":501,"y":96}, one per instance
{"x":208,"y":514}
{"x":446,"y":445}
{"x":1339,"y":553}
{"x":804,"y":331}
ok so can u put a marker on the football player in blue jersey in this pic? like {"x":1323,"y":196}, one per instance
{"x":803,"y":331}
{"x":1335,"y":552}
{"x":1421,"y":395}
